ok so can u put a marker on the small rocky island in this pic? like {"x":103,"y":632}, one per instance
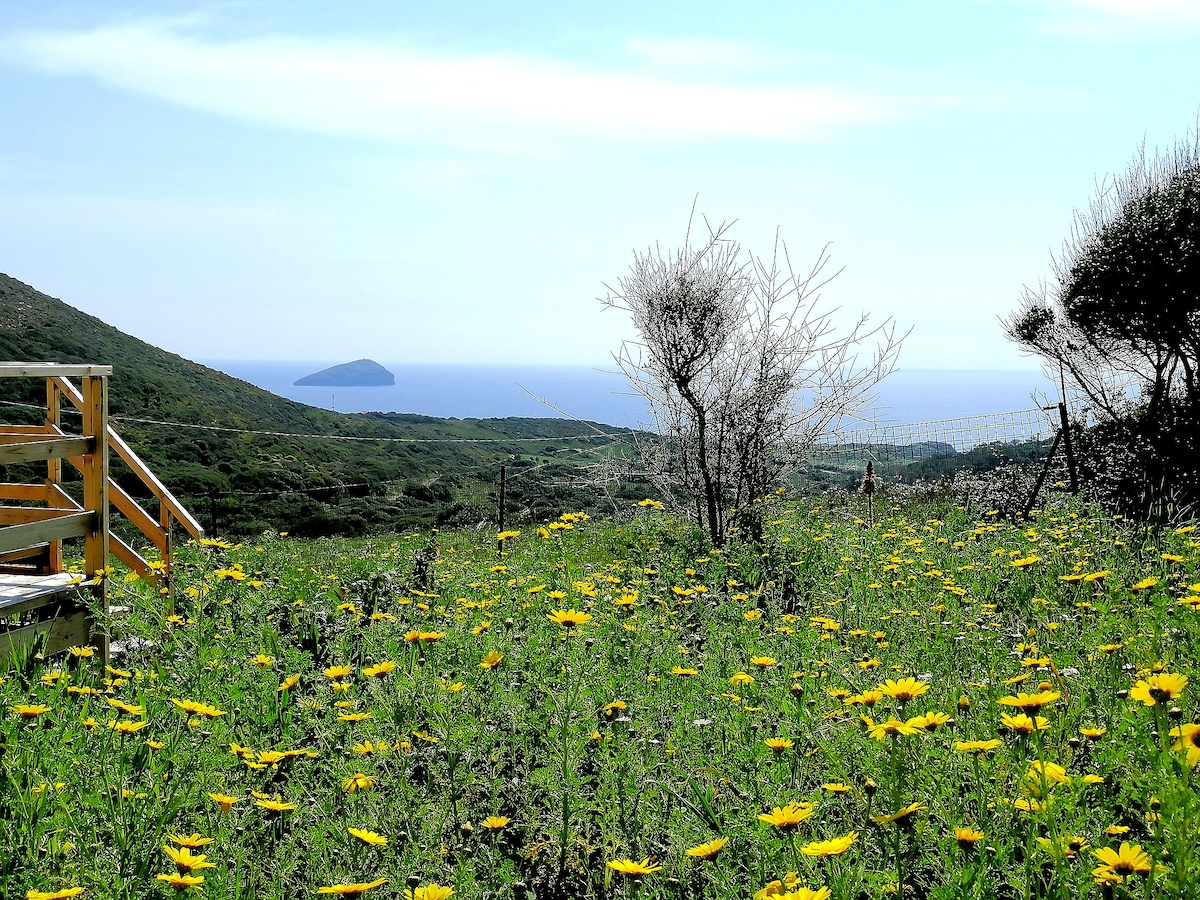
{"x":360,"y":373}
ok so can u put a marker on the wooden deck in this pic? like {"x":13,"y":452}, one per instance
{"x":57,"y":601}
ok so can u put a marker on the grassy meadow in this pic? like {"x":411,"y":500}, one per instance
{"x":932,"y":704}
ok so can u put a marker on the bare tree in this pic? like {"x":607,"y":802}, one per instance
{"x":742,"y":366}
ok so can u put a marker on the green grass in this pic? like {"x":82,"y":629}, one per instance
{"x":828,"y":609}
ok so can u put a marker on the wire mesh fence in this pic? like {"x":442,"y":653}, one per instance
{"x":921,"y":440}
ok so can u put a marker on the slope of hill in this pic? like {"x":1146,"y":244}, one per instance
{"x":368,"y":472}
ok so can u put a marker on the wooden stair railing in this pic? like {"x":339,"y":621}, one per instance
{"x":31,"y":536}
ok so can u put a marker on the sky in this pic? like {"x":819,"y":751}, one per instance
{"x":459,"y":181}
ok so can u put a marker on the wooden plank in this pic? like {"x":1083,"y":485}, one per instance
{"x":50,"y":370}
{"x":44,"y":448}
{"x":23,"y":553}
{"x":21,"y":593}
{"x":19,"y":515}
{"x":71,"y":525}
{"x":133,"y":511}
{"x":24,"y":429}
{"x":72,"y":630}
{"x":10,"y":435}
{"x":37,"y":493}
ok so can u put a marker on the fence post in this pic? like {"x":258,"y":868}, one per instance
{"x":1066,"y":433}
{"x":95,"y":497}
{"x":500,"y":542}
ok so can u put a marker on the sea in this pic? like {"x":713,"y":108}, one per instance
{"x":907,"y":396}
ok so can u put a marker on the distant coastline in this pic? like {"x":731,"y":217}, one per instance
{"x":498,"y":391}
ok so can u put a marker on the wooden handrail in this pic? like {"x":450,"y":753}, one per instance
{"x":165,"y":498}
{"x":68,"y":525}
{"x":30,"y":450}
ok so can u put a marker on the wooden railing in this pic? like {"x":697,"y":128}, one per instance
{"x":31,"y":536}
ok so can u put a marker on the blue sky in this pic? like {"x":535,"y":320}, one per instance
{"x":456,"y":181}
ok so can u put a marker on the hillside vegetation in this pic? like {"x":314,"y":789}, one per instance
{"x":243,"y":483}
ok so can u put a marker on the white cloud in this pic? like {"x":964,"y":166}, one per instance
{"x":1124,"y":18}
{"x":403,"y":94}
{"x":699,"y":52}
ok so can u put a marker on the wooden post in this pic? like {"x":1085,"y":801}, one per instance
{"x":500,"y":548}
{"x":95,"y":496}
{"x":165,"y":581}
{"x":53,"y":468}
{"x":1066,"y":434}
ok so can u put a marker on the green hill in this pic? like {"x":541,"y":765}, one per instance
{"x":359,"y":473}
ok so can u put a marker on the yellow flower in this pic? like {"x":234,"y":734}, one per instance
{"x":904,"y":690}
{"x":185,"y":859}
{"x":568,"y":618}
{"x":832,"y":847}
{"x":977,"y":746}
{"x":787,"y":818}
{"x":354,"y":716}
{"x":194,"y":840}
{"x":632,"y":869}
{"x":379,"y":670}
{"x":1023,"y":724}
{"x":338,"y":672}
{"x":263,"y":660}
{"x":180,"y":881}
{"x":893,"y":727}
{"x":428,"y":892}
{"x":1041,"y":777}
{"x":224,"y":801}
{"x":900,"y":816}
{"x":930,"y":721}
{"x":1145,"y":583}
{"x":352,"y":890}
{"x":967,"y":837}
{"x":193,"y":707}
{"x":791,"y":883}
{"x":494,"y":823}
{"x":615,"y":706}
{"x":124,"y":707}
{"x":60,"y":894}
{"x":650,"y":504}
{"x":1159,"y":688}
{"x":741,"y":679}
{"x":708,"y":850}
{"x":1188,"y":741}
{"x":1030,"y":703}
{"x":763,"y":662}
{"x":30,"y":710}
{"x":778,"y":744}
{"x":290,"y":682}
{"x":275,"y":805}
{"x":1024,"y":562}
{"x":357,"y":782}
{"x":368,"y":837}
{"x":1130,"y":859}
{"x":491,"y":660}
